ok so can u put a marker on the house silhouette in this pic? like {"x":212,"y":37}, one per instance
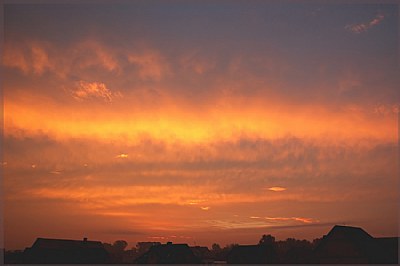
{"x":46,"y":250}
{"x":347,"y":244}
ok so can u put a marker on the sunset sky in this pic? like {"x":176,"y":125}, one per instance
{"x":199,"y":121}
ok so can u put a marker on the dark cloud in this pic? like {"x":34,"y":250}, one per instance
{"x":273,"y":59}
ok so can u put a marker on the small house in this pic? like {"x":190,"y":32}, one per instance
{"x":55,"y":251}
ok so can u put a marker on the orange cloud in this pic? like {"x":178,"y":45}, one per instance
{"x":87,"y":90}
{"x":277,"y":189}
{"x":105,"y":197}
{"x":78,"y":59}
{"x":235,"y":224}
{"x":14,"y":58}
{"x":56,"y":172}
{"x":166,"y":238}
{"x":92,"y":53}
{"x":151,"y":65}
{"x":304,"y":220}
{"x":260,"y":222}
{"x":298,"y":219}
{"x":197,"y":63}
{"x":386,"y":109}
{"x":29,"y":58}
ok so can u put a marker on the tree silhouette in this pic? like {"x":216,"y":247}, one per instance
{"x":267,"y":240}
{"x":116,"y":250}
{"x":215,"y":247}
{"x":120,"y":245}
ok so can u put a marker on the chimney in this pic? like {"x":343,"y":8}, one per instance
{"x":85,"y":239}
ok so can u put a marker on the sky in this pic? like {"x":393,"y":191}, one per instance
{"x":199,"y":122}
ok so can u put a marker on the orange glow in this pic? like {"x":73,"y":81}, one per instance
{"x":185,"y":126}
{"x":277,"y":189}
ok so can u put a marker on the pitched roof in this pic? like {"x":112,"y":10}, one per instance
{"x":360,"y":240}
{"x":347,"y":233}
{"x":355,"y":233}
{"x":49,"y":243}
{"x":55,"y":251}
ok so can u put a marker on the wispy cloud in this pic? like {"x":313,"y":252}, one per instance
{"x":363,"y":27}
{"x":56,"y":172}
{"x":168,"y":237}
{"x":32,"y":57}
{"x":197,"y":63}
{"x":122,"y":155}
{"x":194,"y":201}
{"x":94,"y":53}
{"x":386,"y":109}
{"x":297,"y":219}
{"x":277,"y":189}
{"x":150,"y":64}
{"x":260,"y":222}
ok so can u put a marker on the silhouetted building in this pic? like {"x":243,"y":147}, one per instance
{"x":202,"y":253}
{"x":252,"y":254}
{"x":168,"y":254}
{"x":346,"y":244}
{"x":143,"y":247}
{"x":53,"y":251}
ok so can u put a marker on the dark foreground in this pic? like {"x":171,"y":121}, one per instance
{"x":342,"y":245}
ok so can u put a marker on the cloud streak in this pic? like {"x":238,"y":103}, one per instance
{"x":364,"y":27}
{"x":297,"y":219}
{"x":277,"y":189}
